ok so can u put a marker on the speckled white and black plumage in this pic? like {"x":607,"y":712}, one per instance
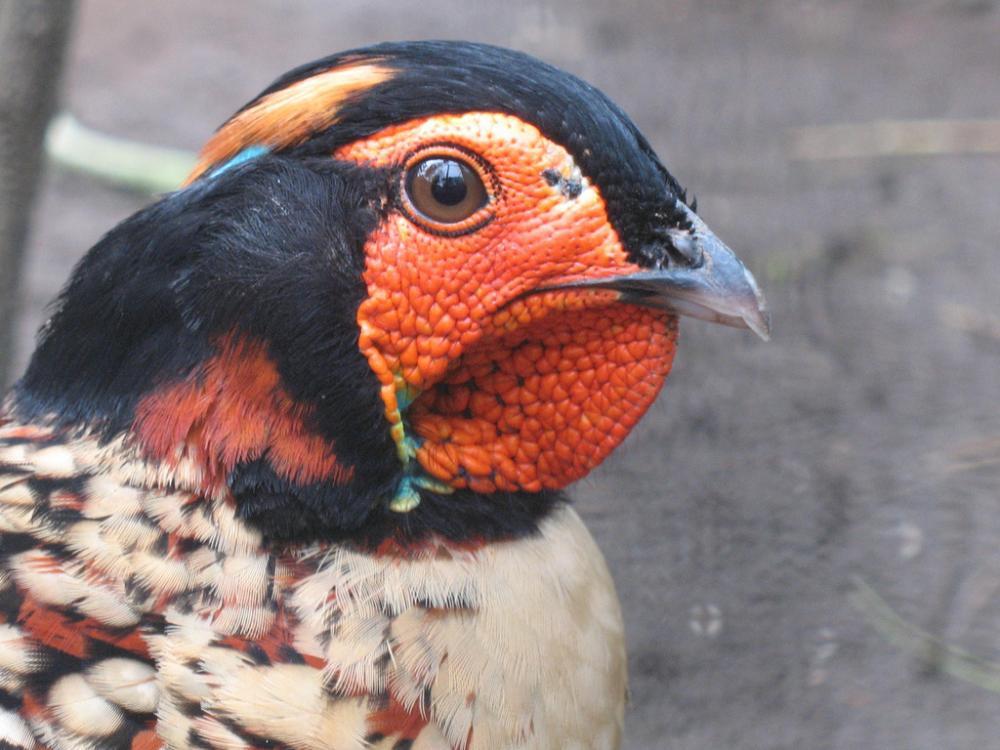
{"x":138,"y":613}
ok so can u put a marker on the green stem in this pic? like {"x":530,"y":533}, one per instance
{"x":124,"y":163}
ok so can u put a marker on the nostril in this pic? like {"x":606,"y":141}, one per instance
{"x":673,"y":246}
{"x":655,"y":255}
{"x":686,"y":249}
{"x":680,"y":250}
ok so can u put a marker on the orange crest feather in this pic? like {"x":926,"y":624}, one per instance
{"x":291,"y":115}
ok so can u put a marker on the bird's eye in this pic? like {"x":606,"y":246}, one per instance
{"x":445,"y":190}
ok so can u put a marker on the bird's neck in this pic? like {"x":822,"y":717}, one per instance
{"x":232,"y":427}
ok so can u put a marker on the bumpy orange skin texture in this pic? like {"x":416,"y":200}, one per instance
{"x":508,"y":392}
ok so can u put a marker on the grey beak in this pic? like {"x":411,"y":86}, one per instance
{"x":716,"y":286}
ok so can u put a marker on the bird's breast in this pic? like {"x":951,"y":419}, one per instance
{"x":515,"y":644}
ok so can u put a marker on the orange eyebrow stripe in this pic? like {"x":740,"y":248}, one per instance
{"x":289,"y":116}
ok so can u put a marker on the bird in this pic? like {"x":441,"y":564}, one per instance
{"x":288,"y":466}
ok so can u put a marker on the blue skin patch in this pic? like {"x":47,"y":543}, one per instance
{"x":405,"y":397}
{"x":407,"y":496}
{"x":247,"y":154}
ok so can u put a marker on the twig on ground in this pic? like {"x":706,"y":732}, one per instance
{"x":867,"y":140}
{"x":931,"y":650}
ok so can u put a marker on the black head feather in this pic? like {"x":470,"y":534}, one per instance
{"x":435,"y":77}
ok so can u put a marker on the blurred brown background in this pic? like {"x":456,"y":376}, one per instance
{"x":805,"y":534}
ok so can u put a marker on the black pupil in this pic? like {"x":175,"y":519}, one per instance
{"x":447,"y":181}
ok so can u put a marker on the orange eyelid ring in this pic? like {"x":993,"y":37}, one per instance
{"x":478,"y":166}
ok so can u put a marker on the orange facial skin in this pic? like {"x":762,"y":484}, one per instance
{"x":487,"y":385}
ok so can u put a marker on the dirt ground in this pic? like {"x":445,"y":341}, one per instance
{"x":779,"y":496}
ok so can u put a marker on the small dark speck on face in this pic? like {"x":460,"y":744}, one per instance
{"x":570,"y":187}
{"x":552,"y":177}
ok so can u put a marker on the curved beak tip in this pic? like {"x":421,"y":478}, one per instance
{"x":760,"y":321}
{"x":755,"y":314}
{"x":719,"y":289}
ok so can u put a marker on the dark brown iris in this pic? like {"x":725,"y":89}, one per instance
{"x":445,"y":190}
